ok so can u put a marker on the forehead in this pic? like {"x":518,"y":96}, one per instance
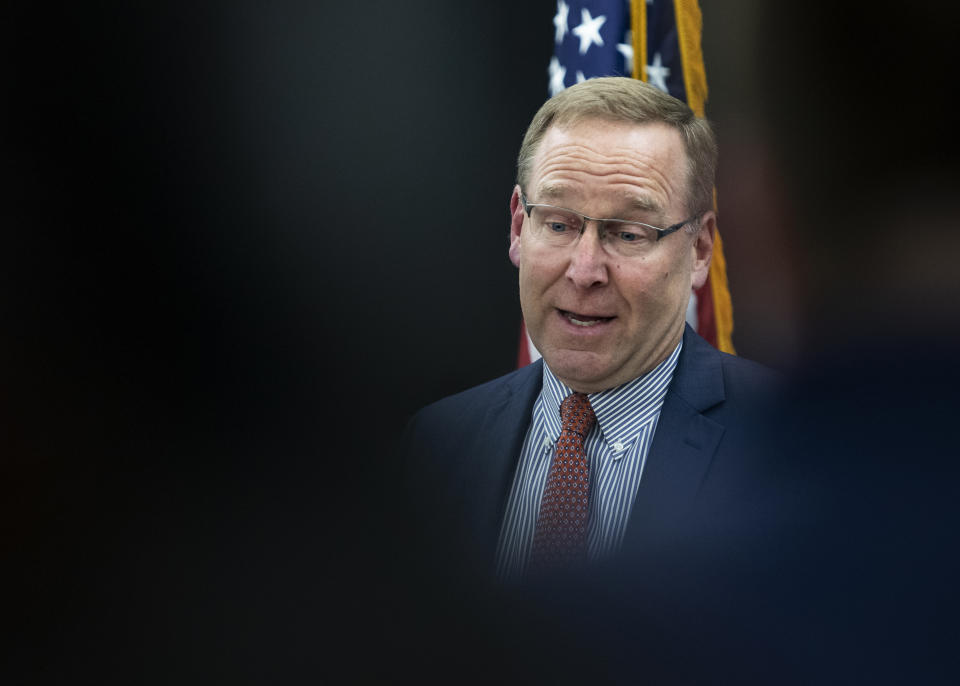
{"x":611,"y":163}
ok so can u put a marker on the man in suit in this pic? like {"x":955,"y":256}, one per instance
{"x":611,"y":229}
{"x":604,"y":301}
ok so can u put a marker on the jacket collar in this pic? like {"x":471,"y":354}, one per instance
{"x":698,"y":379}
{"x":683,"y":446}
{"x":497,"y":445}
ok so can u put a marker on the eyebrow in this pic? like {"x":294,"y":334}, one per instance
{"x":639,"y":203}
{"x":645,"y":204}
{"x":551,"y":192}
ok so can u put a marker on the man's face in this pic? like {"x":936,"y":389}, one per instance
{"x":600,"y":319}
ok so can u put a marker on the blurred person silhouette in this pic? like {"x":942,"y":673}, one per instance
{"x":857,"y":124}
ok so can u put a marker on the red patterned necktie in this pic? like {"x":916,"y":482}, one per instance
{"x":561,"y":535}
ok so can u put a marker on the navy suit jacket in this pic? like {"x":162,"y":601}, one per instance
{"x":701,"y":478}
{"x":799,"y":537}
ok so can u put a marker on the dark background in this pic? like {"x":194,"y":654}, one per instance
{"x":242,"y":243}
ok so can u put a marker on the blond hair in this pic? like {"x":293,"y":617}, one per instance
{"x":617,"y":98}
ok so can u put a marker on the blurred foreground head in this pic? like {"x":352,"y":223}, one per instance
{"x":858,"y":103}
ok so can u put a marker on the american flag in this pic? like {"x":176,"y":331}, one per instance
{"x":657,"y":41}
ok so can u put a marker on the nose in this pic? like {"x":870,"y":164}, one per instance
{"x":588,"y":260}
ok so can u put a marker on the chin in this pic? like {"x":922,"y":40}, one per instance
{"x":582,"y":371}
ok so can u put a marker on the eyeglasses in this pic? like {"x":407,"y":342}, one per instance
{"x":560,"y":227}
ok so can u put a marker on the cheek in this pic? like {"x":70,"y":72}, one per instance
{"x":656,"y":288}
{"x":679,"y":270}
{"x":538,"y":269}
{"x":532,"y":283}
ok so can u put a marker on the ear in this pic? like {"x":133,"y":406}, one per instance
{"x":516,"y":223}
{"x":703,"y":249}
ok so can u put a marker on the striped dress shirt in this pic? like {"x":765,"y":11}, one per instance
{"x":616,"y":448}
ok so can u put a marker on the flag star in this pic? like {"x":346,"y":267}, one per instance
{"x":657,"y":73}
{"x":589,"y":30}
{"x":557,"y":74}
{"x":560,"y":20}
{"x":580,"y":77}
{"x":626,"y":49}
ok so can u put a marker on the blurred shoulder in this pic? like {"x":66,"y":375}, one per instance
{"x":736,"y":376}
{"x":748,"y":373}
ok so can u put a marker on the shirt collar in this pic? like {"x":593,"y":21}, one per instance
{"x":621,"y":411}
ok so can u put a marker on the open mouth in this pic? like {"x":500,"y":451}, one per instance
{"x":584,"y":320}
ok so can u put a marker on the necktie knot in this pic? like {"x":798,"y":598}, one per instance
{"x":576,"y":414}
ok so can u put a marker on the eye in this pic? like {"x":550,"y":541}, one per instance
{"x":555,"y":223}
{"x":632,"y":236}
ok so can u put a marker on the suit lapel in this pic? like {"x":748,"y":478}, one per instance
{"x":494,"y":451}
{"x":683,"y":446}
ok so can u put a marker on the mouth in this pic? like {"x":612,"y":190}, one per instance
{"x":583,"y":320}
